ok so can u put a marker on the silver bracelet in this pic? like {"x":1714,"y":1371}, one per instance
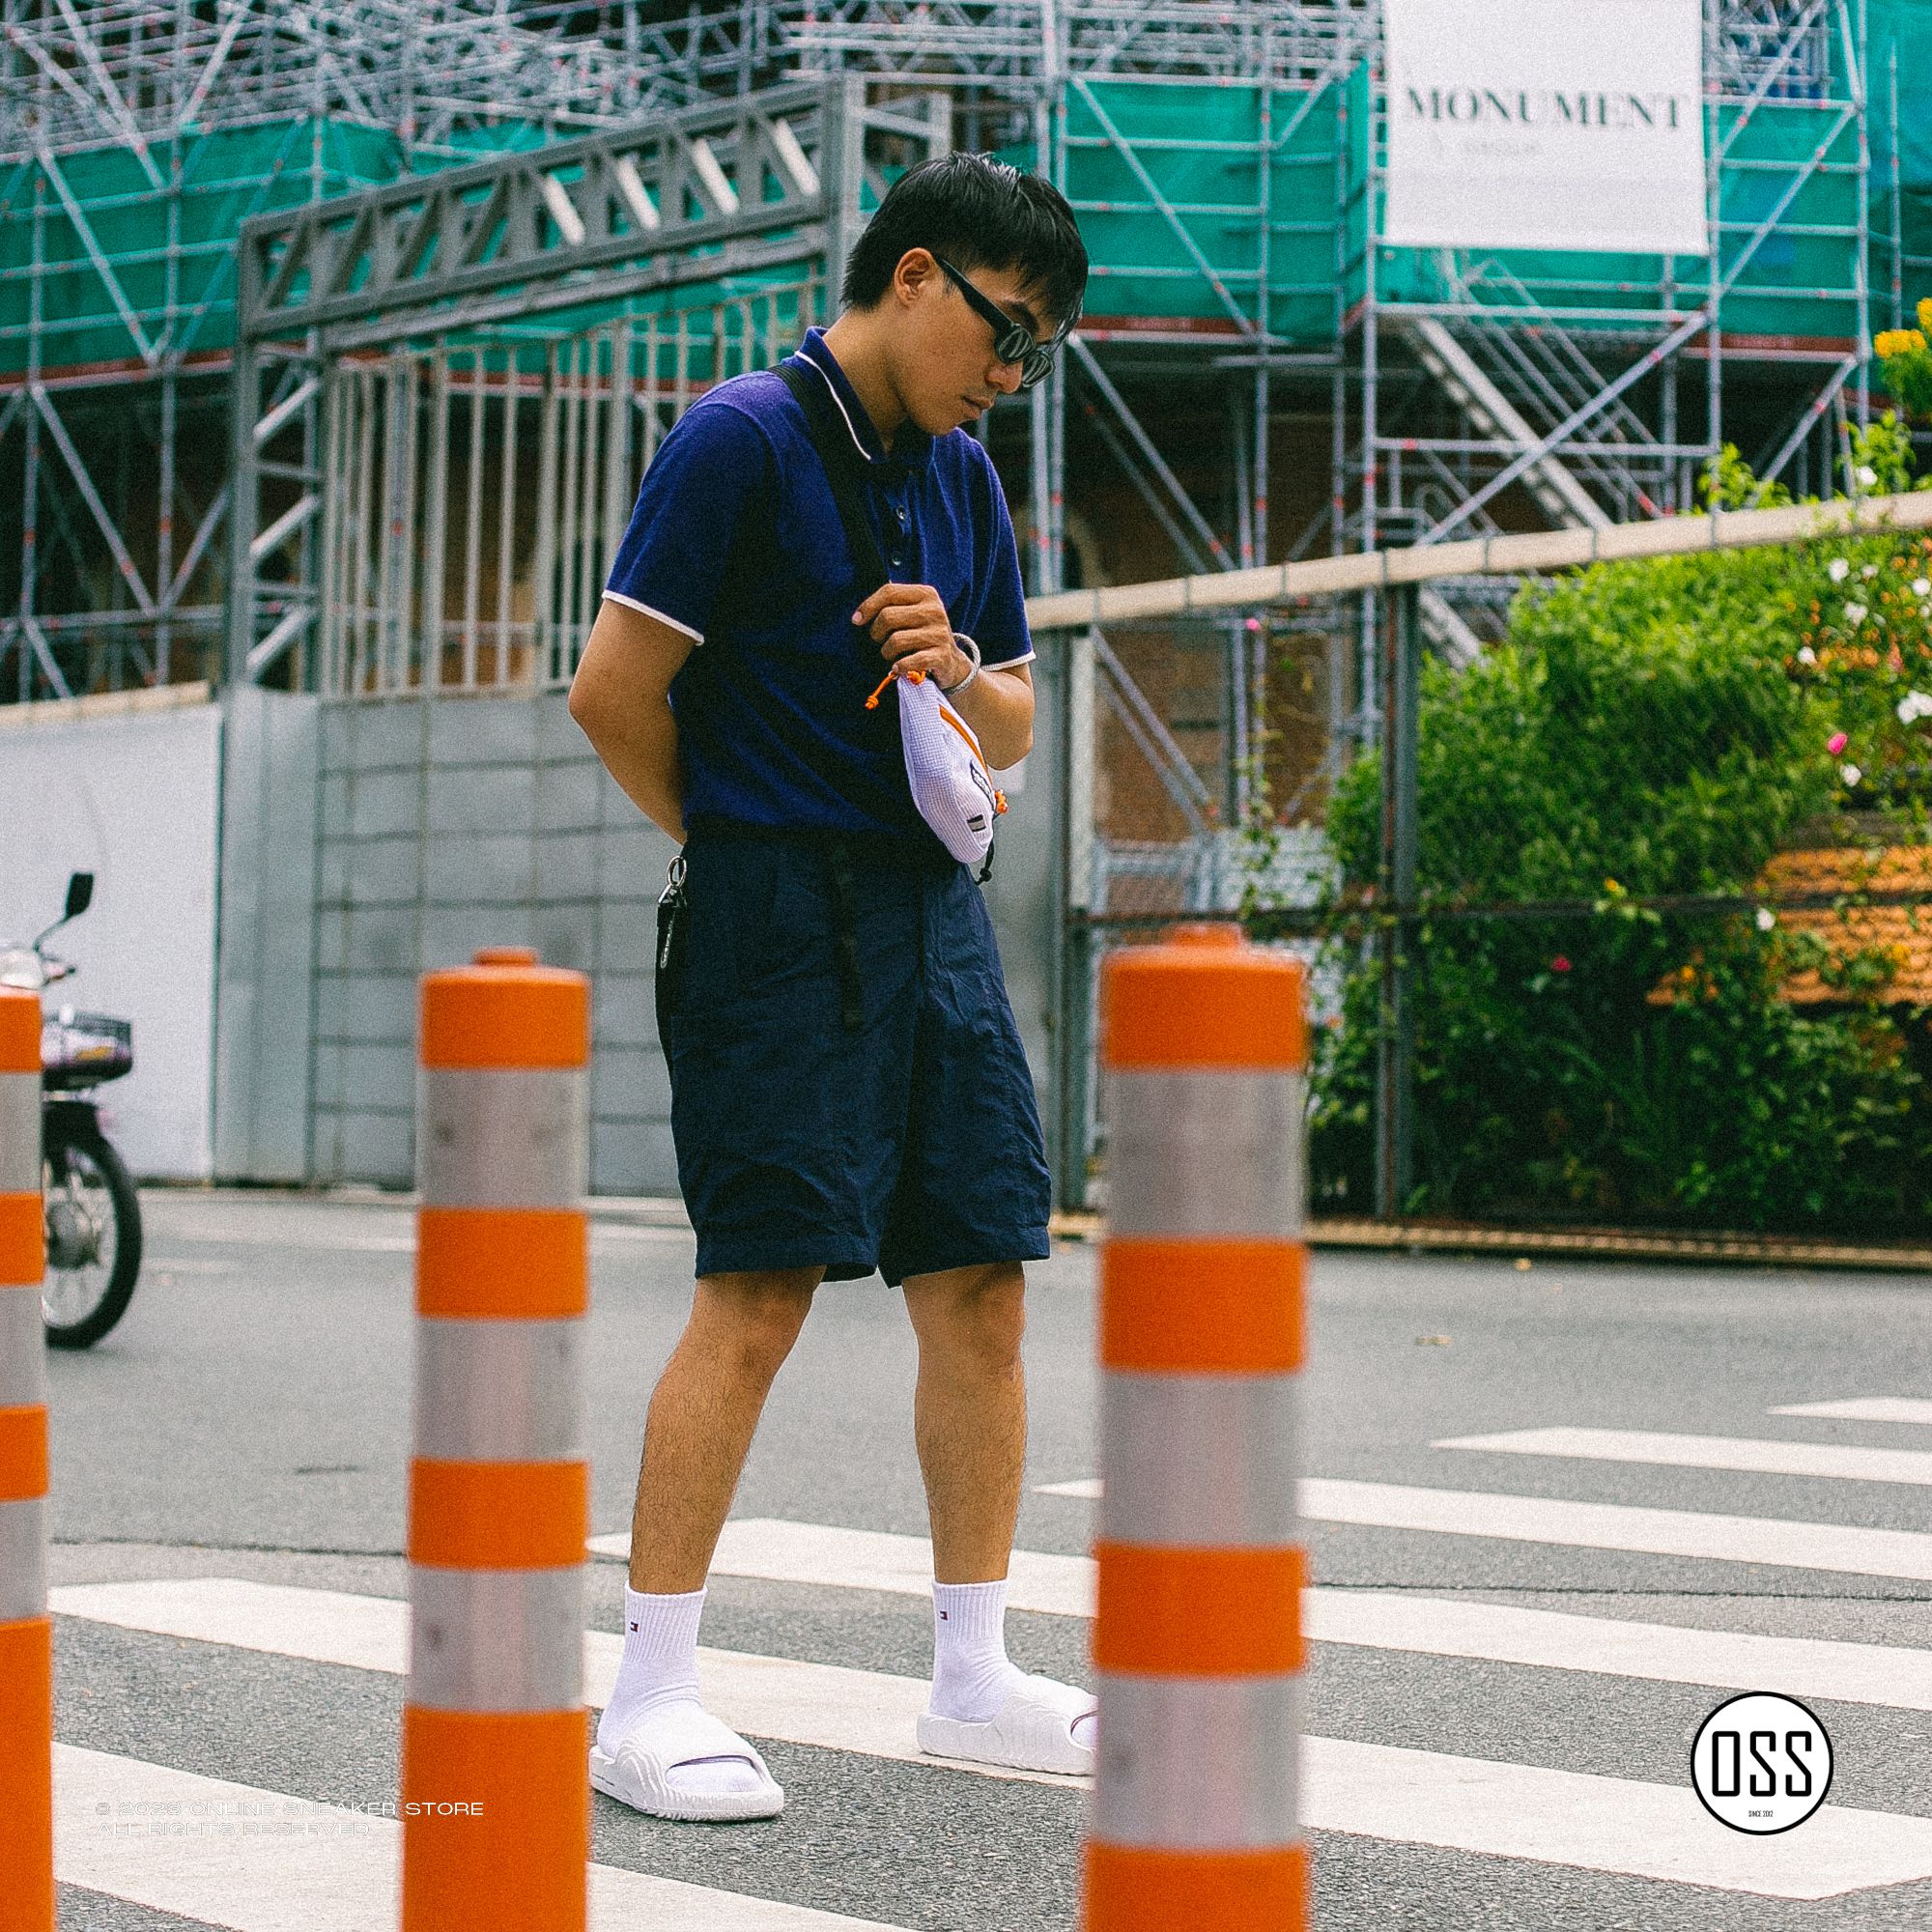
{"x":962,"y":641}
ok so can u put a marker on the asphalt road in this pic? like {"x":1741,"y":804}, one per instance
{"x":250,"y":1419}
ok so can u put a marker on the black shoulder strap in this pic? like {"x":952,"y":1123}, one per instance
{"x":829,"y":437}
{"x":829,"y":440}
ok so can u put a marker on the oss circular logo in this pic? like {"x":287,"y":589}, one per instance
{"x":1761,"y":1763}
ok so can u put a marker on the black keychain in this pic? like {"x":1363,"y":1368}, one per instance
{"x":674,"y":930}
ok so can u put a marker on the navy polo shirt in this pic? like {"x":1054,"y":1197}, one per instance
{"x":736,"y":541}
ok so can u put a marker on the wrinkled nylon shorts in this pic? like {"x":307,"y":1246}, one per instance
{"x":909,"y":1142}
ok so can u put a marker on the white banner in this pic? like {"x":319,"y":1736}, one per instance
{"x":1545,"y":124}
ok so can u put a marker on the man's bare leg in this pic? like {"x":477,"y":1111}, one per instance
{"x":969,"y":1414}
{"x":968,"y":1418}
{"x":657,"y":1748}
{"x":703,"y":1416}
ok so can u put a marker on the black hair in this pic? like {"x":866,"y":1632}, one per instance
{"x":980,"y":213}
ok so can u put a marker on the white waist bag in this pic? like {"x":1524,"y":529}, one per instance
{"x":950,"y":786}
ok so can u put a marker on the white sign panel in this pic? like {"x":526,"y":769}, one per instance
{"x":1545,"y":124}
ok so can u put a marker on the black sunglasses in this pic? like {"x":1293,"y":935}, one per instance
{"x":1011,"y":342}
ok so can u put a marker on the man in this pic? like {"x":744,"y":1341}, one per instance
{"x":848,"y":1090}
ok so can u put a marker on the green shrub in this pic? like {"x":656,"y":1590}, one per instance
{"x":1650,"y":731}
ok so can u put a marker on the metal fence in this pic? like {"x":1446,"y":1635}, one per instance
{"x":476,"y":492}
{"x":1622,"y":921}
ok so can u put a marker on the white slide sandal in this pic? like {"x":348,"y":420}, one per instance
{"x":1033,"y":1730}
{"x":637,"y":1773}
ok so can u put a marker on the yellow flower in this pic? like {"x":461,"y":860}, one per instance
{"x":1893,"y":342}
{"x":1925,"y":313}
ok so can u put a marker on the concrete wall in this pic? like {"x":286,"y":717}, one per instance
{"x":130,"y":792}
{"x":454,"y":822}
{"x":359,"y":844}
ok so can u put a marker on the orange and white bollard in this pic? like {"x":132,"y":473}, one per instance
{"x":1197,"y":1637}
{"x":495,"y":1793}
{"x":26,"y":1630}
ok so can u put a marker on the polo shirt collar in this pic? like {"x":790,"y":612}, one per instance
{"x":912,"y":447}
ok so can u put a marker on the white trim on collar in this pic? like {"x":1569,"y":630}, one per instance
{"x":805,"y":356}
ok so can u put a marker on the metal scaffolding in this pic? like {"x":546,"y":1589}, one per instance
{"x":335,"y":338}
{"x":505,"y":343}
{"x":1462,"y":391}
{"x":136,"y":136}
{"x":1471,"y":375}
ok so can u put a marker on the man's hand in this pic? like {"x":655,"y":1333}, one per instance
{"x":914,"y":632}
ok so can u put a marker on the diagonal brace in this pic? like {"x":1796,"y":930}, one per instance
{"x":1155,"y":462}
{"x":64,"y":442}
{"x":1568,"y":427}
{"x":1809,"y":421}
{"x":118,"y":110}
{"x":97,"y":257}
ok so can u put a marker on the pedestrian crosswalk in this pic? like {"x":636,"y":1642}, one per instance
{"x":331,"y":1869}
{"x":1853,"y":1673}
{"x":1629,"y":1826}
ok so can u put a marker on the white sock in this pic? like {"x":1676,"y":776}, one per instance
{"x":971,"y":1671}
{"x":658,"y":1669}
{"x":971,"y":1675}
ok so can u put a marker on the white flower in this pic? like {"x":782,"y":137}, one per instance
{"x":1868,"y":475}
{"x":1806,"y":655}
{"x":1838,"y":570}
{"x":1850,"y":774}
{"x":1855,"y":615}
{"x":1766,"y":919}
{"x":1921,"y":587}
{"x":1869,"y":572}
{"x":1914,"y":705}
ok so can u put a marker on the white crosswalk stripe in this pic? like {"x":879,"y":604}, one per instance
{"x":1840,"y":1460}
{"x":1605,"y":1824}
{"x":1864,"y":1408}
{"x":1602,"y":1824}
{"x":866,"y":1712}
{"x":256,"y":1860}
{"x":1654,"y":1532}
{"x":1856,"y":1673}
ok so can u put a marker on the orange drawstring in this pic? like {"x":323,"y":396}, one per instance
{"x":911,"y":677}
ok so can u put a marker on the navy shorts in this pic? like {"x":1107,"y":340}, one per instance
{"x":869,"y":1111}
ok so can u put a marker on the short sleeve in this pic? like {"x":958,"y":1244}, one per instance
{"x":1002,"y":632}
{"x":695,"y":494}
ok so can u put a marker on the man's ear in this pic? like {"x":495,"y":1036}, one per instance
{"x":917,"y":271}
